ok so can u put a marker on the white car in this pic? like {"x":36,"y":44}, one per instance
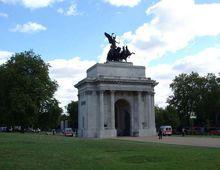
{"x":166,"y":130}
{"x":68,"y":132}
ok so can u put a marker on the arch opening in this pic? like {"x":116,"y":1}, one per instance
{"x":122,"y":117}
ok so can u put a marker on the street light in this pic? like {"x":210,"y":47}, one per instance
{"x":192,"y":117}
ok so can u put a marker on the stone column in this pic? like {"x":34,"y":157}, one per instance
{"x":80,"y":133}
{"x":112,"y":125}
{"x":79,"y":125}
{"x":152,"y":111}
{"x":139,"y":111}
{"x":149,"y":114}
{"x":101,"y":110}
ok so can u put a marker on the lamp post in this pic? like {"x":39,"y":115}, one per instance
{"x":192,"y":117}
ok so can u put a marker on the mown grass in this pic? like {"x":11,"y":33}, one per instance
{"x":34,"y":151}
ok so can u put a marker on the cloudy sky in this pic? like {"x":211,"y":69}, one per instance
{"x":169,"y":37}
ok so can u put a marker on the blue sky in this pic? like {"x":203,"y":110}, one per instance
{"x":169,"y":37}
{"x":80,"y":35}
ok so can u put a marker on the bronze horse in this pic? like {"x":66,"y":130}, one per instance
{"x":115,"y":53}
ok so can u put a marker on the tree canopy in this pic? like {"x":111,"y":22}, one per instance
{"x":26,"y":90}
{"x":72,"y":110}
{"x":199,"y":95}
{"x":167,"y":116}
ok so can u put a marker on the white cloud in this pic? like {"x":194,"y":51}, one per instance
{"x":30,"y":27}
{"x":4,"y":56}
{"x":67,"y":73}
{"x":2,"y":14}
{"x":32,"y":4}
{"x":70,"y":11}
{"x":174,"y":25}
{"x":206,"y":61}
{"x":37,"y":3}
{"x":9,"y":1}
{"x":118,"y":3}
{"x":103,"y":56}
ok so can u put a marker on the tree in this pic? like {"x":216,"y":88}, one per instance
{"x":26,"y":89}
{"x":167,"y":116}
{"x":72,"y":110}
{"x":211,"y":101}
{"x":50,"y":118}
{"x":196,"y":94}
{"x":3,"y":115}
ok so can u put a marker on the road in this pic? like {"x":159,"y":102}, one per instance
{"x":179,"y":140}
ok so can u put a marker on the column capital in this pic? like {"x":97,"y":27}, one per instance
{"x":112,"y":91}
{"x":98,"y":92}
{"x":101,"y":91}
{"x":88,"y":92}
{"x":138,"y":92}
{"x":151,"y":93}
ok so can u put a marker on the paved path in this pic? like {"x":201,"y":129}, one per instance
{"x":192,"y":141}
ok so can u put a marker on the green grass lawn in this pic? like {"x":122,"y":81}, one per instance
{"x":34,"y":151}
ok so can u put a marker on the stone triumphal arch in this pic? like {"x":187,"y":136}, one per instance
{"x":116,"y":99}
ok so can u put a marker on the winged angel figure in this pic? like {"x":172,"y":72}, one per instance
{"x":115,"y":53}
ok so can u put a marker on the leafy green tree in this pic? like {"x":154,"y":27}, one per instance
{"x":72,"y":110}
{"x":3,"y":115}
{"x":50,"y":118}
{"x":211,"y":101}
{"x":25,"y":89}
{"x":167,"y":116}
{"x":185,"y":95}
{"x":196,"y":94}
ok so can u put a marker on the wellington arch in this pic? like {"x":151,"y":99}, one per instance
{"x":116,"y":99}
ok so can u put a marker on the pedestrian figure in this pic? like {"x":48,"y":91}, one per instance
{"x":160,"y":134}
{"x":183,"y":131}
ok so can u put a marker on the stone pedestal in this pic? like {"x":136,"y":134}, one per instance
{"x":116,"y":99}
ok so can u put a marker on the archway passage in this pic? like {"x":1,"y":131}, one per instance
{"x":122,"y":117}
